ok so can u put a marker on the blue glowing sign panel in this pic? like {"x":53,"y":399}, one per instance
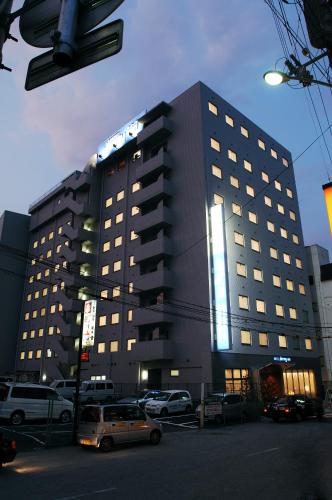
{"x":120,"y":138}
{"x":219,"y":279}
{"x":282,"y":359}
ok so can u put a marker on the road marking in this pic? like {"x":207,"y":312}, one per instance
{"x":177,"y":416}
{"x":269,"y":450}
{"x":96,"y":492}
{"x":180,"y":425}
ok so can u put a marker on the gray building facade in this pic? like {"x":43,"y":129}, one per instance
{"x":185,"y":227}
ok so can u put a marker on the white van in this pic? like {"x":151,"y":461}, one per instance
{"x":168,"y":402}
{"x":65,"y":388}
{"x":96,"y":391}
{"x":20,"y":402}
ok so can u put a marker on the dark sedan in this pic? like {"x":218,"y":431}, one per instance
{"x":296,"y":407}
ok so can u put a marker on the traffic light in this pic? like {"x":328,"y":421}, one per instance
{"x":318,"y":16}
{"x":327,"y":188}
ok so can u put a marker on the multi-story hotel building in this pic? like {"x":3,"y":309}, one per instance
{"x":186,"y":226}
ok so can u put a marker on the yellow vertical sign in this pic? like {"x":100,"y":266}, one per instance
{"x":328,"y":200}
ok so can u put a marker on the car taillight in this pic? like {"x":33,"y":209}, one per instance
{"x":287,"y":410}
{"x":13,"y":444}
{"x":265,"y":410}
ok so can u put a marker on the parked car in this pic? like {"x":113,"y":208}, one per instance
{"x":141,"y":398}
{"x":7,"y":450}
{"x":296,"y":407}
{"x":104,"y":426}
{"x":20,"y":402}
{"x":223,"y":406}
{"x":96,"y":391}
{"x":168,"y":402}
{"x":64,"y":387}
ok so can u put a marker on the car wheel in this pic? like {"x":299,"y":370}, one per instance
{"x":106,"y":445}
{"x":155,"y":437}
{"x":65,"y":417}
{"x":188,"y":409}
{"x":164,"y":412}
{"x":218,"y":419}
{"x":17,"y":418}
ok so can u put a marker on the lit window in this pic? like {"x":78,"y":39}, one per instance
{"x":277,"y":185}
{"x":26,"y":316}
{"x":281,"y":208}
{"x":301,"y":288}
{"x":43,"y":311}
{"x":119,"y":218}
{"x":289,"y":193}
{"x":130,"y":287}
{"x":234,"y":181}
{"x":108,"y":202}
{"x":247,"y":165}
{"x":287,"y":258}
{"x":137,"y":155}
{"x":174,"y":373}
{"x":241,"y":269}
{"x":280,"y":310}
{"x":39,"y":275}
{"x":106,"y":246}
{"x":40,"y":332}
{"x":32,"y":334}
{"x":29,"y":297}
{"x":243,"y":302}
{"x":35,"y":244}
{"x":218,"y":199}
{"x":237,"y":209}
{"x":45,"y":292}
{"x":270,"y":226}
{"x":267,"y":201}
{"x":260,"y":306}
{"x":232,"y":155}
{"x":120,"y":195}
{"x":308,"y":344}
{"x":229,"y":120}
{"x":244,"y":132}
{"x":134,"y":210}
{"x":245,"y":337}
{"x":52,"y":308}
{"x":290,"y":285}
{"x":107,"y":223}
{"x":30,"y":354}
{"x":213,"y":108}
{"x":250,"y":190}
{"x":252,"y":217}
{"x":255,"y":245}
{"x":60,"y":228}
{"x":24,"y":335}
{"x":42,"y":241}
{"x":36,"y":294}
{"x":103,"y":294}
{"x":48,"y":353}
{"x":33,"y":262}
{"x":261,"y":144}
{"x":295,"y":239}
{"x":276,"y":280}
{"x":133,"y":235}
{"x":102,"y":321}
{"x":274,"y":253}
{"x":118,"y":241}
{"x":22,"y":355}
{"x":263,"y":339}
{"x":48,"y":254}
{"x":298,"y":263}
{"x":292,"y":313}
{"x":258,"y":274}
{"x":58,"y":248}
{"x":136,"y":186}
{"x":101,"y":347}
{"x":282,"y":341}
{"x":105,"y":270}
{"x":265,"y":177}
{"x":131,"y":260}
{"x":215,"y":144}
{"x":115,"y":318}
{"x":129,"y":315}
{"x":114,"y":346}
{"x":50,"y":330}
{"x":117,"y":266}
{"x":54,"y":288}
{"x":292,"y":215}
{"x":130,"y":343}
{"x":116,"y":291}
{"x":30,"y":279}
{"x":283,"y":233}
{"x":38,"y":353}
{"x":51,"y":235}
{"x":239,"y":238}
{"x":274,"y":154}
{"x":285,"y":162}
{"x":216,"y":171}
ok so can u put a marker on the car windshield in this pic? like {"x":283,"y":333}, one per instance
{"x":163,"y":396}
{"x":90,"y":414}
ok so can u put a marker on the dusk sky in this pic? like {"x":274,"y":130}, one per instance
{"x":168,"y":46}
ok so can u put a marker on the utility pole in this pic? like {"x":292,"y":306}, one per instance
{"x":5,"y":20}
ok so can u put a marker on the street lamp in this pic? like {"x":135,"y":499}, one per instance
{"x":274,"y":77}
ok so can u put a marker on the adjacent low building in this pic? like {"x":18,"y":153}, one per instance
{"x":185,"y":227}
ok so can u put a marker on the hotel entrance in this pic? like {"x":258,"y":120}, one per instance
{"x":279,"y":379}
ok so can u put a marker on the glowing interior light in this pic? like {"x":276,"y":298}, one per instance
{"x":144,"y":375}
{"x":273,"y":77}
{"x":219,"y":279}
{"x":328,"y":200}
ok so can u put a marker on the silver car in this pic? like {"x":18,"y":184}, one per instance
{"x":103,"y":426}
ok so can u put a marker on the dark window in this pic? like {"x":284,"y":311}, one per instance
{"x":60,"y":384}
{"x":109,"y":385}
{"x":90,"y":414}
{"x":305,"y":316}
{"x":311,"y":280}
{"x":184,"y":395}
{"x":4,"y":389}
{"x":100,"y":387}
{"x":315,"y":307}
{"x":233,"y":399}
{"x":50,"y":394}
{"x":71,"y":384}
{"x":30,"y":392}
{"x":175,"y":397}
{"x":134,"y":413}
{"x":116,"y":413}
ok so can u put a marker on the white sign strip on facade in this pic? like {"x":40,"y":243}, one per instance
{"x":219,"y":279}
{"x":89,"y":323}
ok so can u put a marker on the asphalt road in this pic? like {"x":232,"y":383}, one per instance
{"x":254,"y":461}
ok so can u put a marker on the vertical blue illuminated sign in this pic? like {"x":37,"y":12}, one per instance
{"x":219,"y":278}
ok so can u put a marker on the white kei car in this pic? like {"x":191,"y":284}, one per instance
{"x":170,"y":402}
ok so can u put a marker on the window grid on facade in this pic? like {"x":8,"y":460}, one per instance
{"x":216,"y":171}
{"x":252,"y":216}
{"x":236,"y":209}
{"x":247,"y":165}
{"x":232,"y":155}
{"x":282,"y":341}
{"x":234,"y":181}
{"x":245,"y":337}
{"x":244,"y":132}
{"x":239,"y":238}
{"x":263,"y":339}
{"x":260,"y":306}
{"x":241,"y":269}
{"x":244,"y":302}
{"x":213,"y":108}
{"x":218,"y":199}
{"x":215,"y":144}
{"x":258,"y":274}
{"x":229,"y":120}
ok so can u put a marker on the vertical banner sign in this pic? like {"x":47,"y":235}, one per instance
{"x":89,"y":323}
{"x":327,"y":188}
